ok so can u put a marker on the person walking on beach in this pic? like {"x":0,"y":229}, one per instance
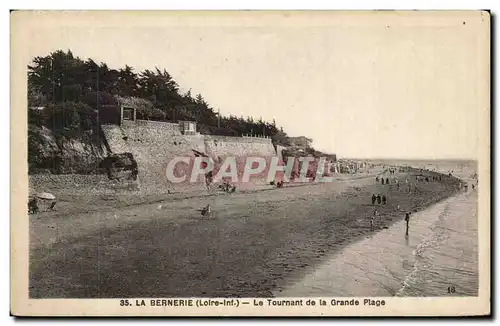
{"x":372,"y":219}
{"x":407,"y":219}
{"x":387,"y":180}
{"x":379,"y":199}
{"x":206,"y":211}
{"x":374,"y":198}
{"x":376,"y":179}
{"x":382,"y":180}
{"x":384,"y":200}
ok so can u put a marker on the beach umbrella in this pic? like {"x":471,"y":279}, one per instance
{"x":46,"y":195}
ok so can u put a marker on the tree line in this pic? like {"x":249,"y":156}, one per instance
{"x":75,"y":93}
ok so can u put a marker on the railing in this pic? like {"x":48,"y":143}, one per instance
{"x":158,"y":123}
{"x":254,"y":136}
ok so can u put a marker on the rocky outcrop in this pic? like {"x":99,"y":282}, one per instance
{"x":118,"y":166}
{"x":50,"y":153}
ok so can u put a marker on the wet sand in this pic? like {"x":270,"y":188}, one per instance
{"x":252,"y":245}
{"x":439,"y":252}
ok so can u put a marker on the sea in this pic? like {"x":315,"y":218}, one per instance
{"x":439,"y":257}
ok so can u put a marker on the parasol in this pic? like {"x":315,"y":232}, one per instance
{"x":46,"y":195}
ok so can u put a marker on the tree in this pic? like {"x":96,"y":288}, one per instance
{"x":87,"y":85}
{"x":127,"y":82}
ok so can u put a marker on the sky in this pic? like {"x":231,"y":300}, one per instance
{"x":364,"y":86}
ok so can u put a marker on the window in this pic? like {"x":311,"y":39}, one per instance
{"x":128,"y":114}
{"x":187,"y":127}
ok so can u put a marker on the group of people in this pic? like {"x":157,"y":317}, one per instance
{"x":227,"y":187}
{"x":382,"y":199}
{"x":382,"y":180}
{"x":33,"y":206}
{"x":379,"y":199}
{"x":278,"y":184}
{"x":466,"y":186}
{"x":428,"y":178}
{"x":386,"y":180}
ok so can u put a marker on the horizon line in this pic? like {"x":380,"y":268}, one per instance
{"x":411,"y":158}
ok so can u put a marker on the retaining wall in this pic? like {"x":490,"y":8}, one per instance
{"x":241,"y":148}
{"x":155,"y":144}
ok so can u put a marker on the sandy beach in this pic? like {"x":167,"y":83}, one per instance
{"x":439,"y":256}
{"x":252,"y":245}
{"x":439,"y":253}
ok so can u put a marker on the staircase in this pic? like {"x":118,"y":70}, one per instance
{"x":115,"y":138}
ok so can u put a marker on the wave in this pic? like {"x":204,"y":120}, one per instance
{"x":434,"y":239}
{"x":446,"y":260}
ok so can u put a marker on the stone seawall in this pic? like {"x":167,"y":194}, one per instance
{"x":155,"y":144}
{"x":67,"y":185}
{"x":219,"y":148}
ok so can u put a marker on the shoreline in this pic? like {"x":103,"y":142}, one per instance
{"x":388,"y":263}
{"x":244,"y":250}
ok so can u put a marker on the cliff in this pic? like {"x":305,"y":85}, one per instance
{"x":50,"y":153}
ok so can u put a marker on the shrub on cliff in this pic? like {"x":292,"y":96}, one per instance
{"x":73,"y":90}
{"x":62,"y":77}
{"x":69,"y":118}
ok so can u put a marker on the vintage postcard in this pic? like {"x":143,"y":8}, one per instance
{"x":250,"y":163}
